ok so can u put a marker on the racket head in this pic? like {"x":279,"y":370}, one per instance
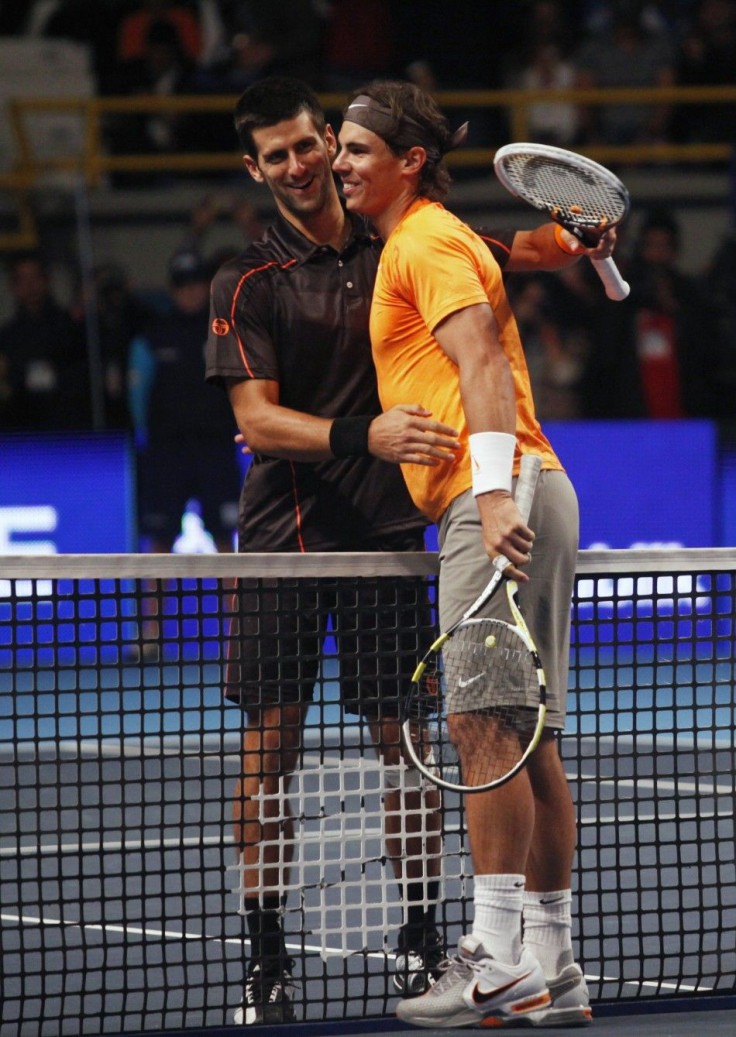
{"x":574,"y":191}
{"x":478,"y":694}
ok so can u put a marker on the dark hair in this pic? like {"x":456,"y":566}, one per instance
{"x":270,"y":101}
{"x":419,"y":121}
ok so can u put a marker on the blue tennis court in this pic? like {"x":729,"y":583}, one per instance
{"x":118,"y":761}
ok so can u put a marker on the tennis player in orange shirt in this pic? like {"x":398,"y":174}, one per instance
{"x":442,"y":332}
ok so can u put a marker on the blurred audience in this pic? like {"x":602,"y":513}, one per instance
{"x":626,"y":55}
{"x":263,"y":39}
{"x":183,"y":428}
{"x":119,"y":316}
{"x":44,"y":381}
{"x":556,"y":351}
{"x":578,"y":364}
{"x":241,"y":220}
{"x":360,"y":43}
{"x":543,"y":62}
{"x":135,"y":26}
{"x":656,"y":354}
{"x":163,"y":66}
{"x":707,"y":57}
{"x":195,"y":47}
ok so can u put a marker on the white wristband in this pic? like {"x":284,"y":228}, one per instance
{"x":491,"y":461}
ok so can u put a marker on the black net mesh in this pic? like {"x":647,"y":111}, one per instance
{"x":120,"y":889}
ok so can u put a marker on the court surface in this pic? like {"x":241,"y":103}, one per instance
{"x":105,"y":923}
{"x":118,"y":896}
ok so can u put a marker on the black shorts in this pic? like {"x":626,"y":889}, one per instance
{"x":381,"y":627}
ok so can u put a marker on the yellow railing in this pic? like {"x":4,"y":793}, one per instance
{"x":93,"y":162}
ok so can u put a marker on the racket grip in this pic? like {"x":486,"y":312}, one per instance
{"x":526,"y":484}
{"x":616,"y":288}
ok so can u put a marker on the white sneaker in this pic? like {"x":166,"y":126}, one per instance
{"x":267,"y":996}
{"x":476,"y":990}
{"x":570,"y":999}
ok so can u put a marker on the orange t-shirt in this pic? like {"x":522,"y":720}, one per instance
{"x":432,"y":266}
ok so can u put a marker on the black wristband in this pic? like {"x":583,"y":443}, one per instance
{"x":349,"y":436}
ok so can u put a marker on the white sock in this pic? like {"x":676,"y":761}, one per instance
{"x":498,"y":903}
{"x":548,"y":929}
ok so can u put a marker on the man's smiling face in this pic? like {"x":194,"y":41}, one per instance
{"x":294,"y":161}
{"x":369,"y":170}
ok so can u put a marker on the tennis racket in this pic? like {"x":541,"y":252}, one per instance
{"x":579,"y":194}
{"x":475,"y":710}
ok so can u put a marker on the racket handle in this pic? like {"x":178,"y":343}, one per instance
{"x":526,"y":484}
{"x":616,"y":288}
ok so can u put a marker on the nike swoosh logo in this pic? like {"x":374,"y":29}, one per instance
{"x":471,"y":680}
{"x":481,"y":998}
{"x":552,"y":900}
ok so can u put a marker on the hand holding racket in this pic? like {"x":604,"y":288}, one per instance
{"x":476,"y":707}
{"x":582,"y":196}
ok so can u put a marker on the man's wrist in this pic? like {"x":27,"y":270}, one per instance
{"x":567,"y":241}
{"x":491,"y":461}
{"x":349,"y":436}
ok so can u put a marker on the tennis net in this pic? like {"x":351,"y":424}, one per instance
{"x":120,"y":889}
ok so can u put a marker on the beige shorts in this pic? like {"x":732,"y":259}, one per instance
{"x":545,"y":600}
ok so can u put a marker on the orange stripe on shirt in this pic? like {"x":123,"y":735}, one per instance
{"x":241,"y":282}
{"x":297,"y":509}
{"x":495,"y":241}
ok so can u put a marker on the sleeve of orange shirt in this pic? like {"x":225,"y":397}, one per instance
{"x":438,"y":273}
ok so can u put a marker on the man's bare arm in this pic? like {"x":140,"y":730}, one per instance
{"x":405,"y":434}
{"x":539,"y":249}
{"x":470,"y":339}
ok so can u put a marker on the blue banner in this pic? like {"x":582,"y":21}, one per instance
{"x":66,"y":493}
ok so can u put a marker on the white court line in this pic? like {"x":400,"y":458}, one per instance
{"x":136,"y":931}
{"x":133,"y":930}
{"x":376,"y":831}
{"x":680,"y":785}
{"x":111,"y":846}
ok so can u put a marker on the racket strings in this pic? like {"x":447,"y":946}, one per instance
{"x":475,"y":707}
{"x":574,"y":194}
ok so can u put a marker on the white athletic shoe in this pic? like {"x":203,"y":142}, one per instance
{"x":476,"y":990}
{"x":267,"y":996}
{"x":570,"y":999}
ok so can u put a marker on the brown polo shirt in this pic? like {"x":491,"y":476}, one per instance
{"x":296,"y":313}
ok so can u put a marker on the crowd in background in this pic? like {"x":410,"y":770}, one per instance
{"x":669,"y":351}
{"x":222,"y":46}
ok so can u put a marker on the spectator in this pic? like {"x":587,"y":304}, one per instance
{"x":183,"y":428}
{"x":165,"y":68}
{"x":541,"y":63}
{"x":136,"y":25}
{"x":46,"y":383}
{"x":660,"y":17}
{"x":241,"y":217}
{"x":120,"y":316}
{"x":656,"y":352}
{"x":707,"y":57}
{"x":284,"y":38}
{"x":627,"y":56}
{"x":556,"y":345}
{"x":263,"y":39}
